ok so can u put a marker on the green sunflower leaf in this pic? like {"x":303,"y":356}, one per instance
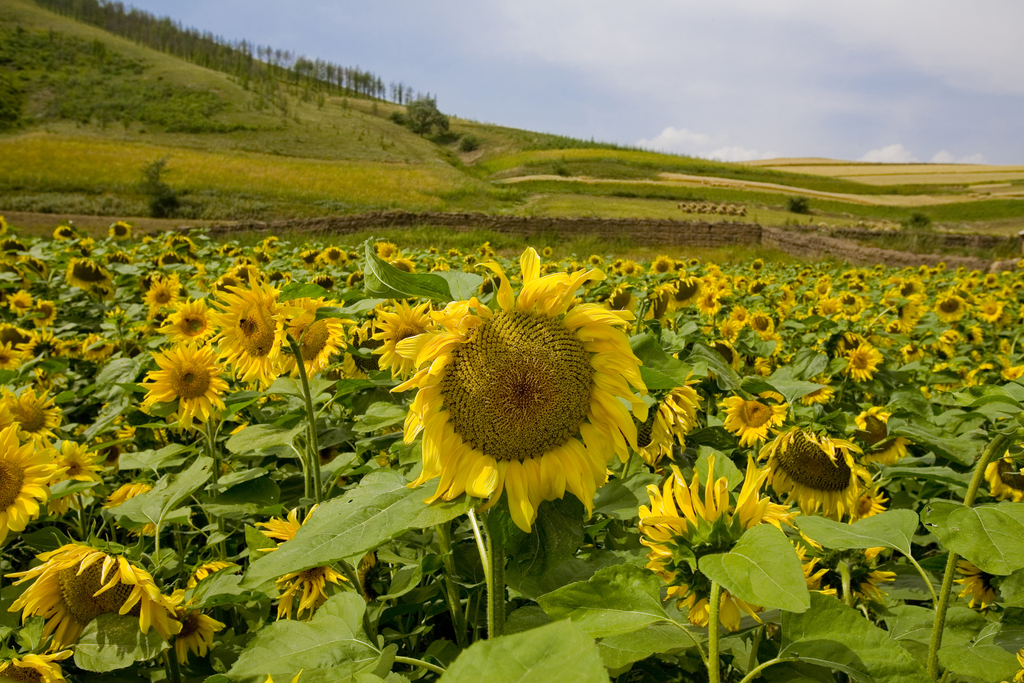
{"x":617,"y":599}
{"x":556,"y":652}
{"x":111,"y":642}
{"x":462,"y":285}
{"x":301,"y":290}
{"x":990,"y":536}
{"x":381,"y":279}
{"x":154,"y":506}
{"x":332,"y":639}
{"x":891,"y":529}
{"x":659,"y":371}
{"x":983,"y":658}
{"x":962,"y":449}
{"x":761,"y":569}
{"x":346,"y":528}
{"x":838,"y":637}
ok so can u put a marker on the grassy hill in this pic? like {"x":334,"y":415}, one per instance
{"x":84,"y":112}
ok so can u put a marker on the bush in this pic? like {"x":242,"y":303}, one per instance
{"x":798,"y":205}
{"x":469,"y":143}
{"x":423,"y":116}
{"x":396,"y":117}
{"x":163,"y":200}
{"x":917,"y":221}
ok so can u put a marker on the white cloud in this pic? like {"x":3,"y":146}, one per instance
{"x":677,"y":141}
{"x":945,"y":157}
{"x":683,"y":141}
{"x":741,"y":154}
{"x":890,"y":154}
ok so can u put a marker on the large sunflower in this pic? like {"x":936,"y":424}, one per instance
{"x":250,"y":336}
{"x":863,"y":361}
{"x":309,"y":585}
{"x":682,"y":525}
{"x":25,"y":472}
{"x":1005,"y":481}
{"x":34,"y":668}
{"x":751,"y":420}
{"x":526,"y":398}
{"x":190,"y":376}
{"x":816,"y":470}
{"x":392,"y":327}
{"x":76,"y":583}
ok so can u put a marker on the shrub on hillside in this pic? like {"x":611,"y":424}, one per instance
{"x":917,"y":221}
{"x":163,"y":200}
{"x":798,"y":205}
{"x":423,"y":116}
{"x":469,"y":143}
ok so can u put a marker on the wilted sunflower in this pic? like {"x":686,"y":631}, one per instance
{"x":36,"y":416}
{"x":1005,"y":481}
{"x":76,"y":583}
{"x":751,"y":420}
{"x":197,"y":629}
{"x":192,"y":377}
{"x":309,"y":584}
{"x":190,"y":322}
{"x":872,"y":429}
{"x":526,"y":398}
{"x":863,"y":362}
{"x":319,"y":340}
{"x":977,"y":584}
{"x":250,"y":336}
{"x":674,"y":418}
{"x":817,"y":471}
{"x":682,"y":525}
{"x":26,"y":470}
{"x":34,"y":668}
{"x":392,"y":327}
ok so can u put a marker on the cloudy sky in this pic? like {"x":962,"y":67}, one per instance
{"x":878,"y":80}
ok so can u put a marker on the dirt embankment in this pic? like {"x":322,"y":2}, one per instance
{"x":642,"y":232}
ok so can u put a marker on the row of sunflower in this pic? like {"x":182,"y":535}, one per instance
{"x":201,"y":435}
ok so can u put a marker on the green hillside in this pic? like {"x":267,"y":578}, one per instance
{"x":83,"y":112}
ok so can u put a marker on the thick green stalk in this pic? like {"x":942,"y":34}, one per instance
{"x":419,"y":662}
{"x":495,"y":584}
{"x":444,"y":541}
{"x":998,"y":444}
{"x":171,"y":662}
{"x":312,"y":442}
{"x":211,"y":448}
{"x":844,"y":573}
{"x":714,"y":605}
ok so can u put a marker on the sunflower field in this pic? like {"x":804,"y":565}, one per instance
{"x":295,"y":462}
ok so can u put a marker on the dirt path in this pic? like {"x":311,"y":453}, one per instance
{"x":684,"y":180}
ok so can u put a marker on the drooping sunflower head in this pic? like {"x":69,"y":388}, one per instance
{"x":89,"y":275}
{"x":197,"y":629}
{"x":669,"y":423}
{"x":684,"y":523}
{"x":817,"y":471}
{"x":250,"y":334}
{"x":1005,"y":481}
{"x":873,"y":430}
{"x":524,"y":399}
{"x":120,"y":231}
{"x":76,"y":583}
{"x":191,"y":376}
{"x":978,"y":585}
{"x":823,"y":575}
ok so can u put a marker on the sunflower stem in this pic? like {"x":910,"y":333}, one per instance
{"x":312,"y":445}
{"x":999,"y":443}
{"x":480,"y":546}
{"x":714,"y":604}
{"x":419,"y":662}
{"x":844,"y":572}
{"x":214,"y":453}
{"x":755,"y":673}
{"x":495,"y":583}
{"x":444,"y":541}
{"x":171,"y":662}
